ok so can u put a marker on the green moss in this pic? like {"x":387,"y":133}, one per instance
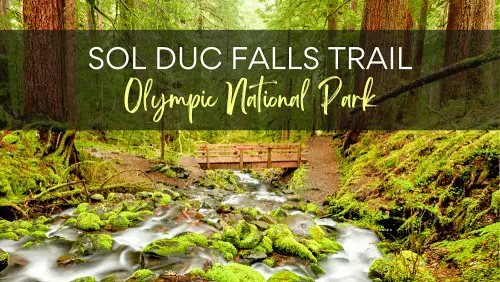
{"x":284,"y":276}
{"x":234,"y":272}
{"x":216,"y":236}
{"x":290,"y":246}
{"x":225,"y":248}
{"x":167,"y":247}
{"x":88,"y":222}
{"x":11,"y":138}
{"x":70,"y":221}
{"x":329,"y":246}
{"x":277,"y":231}
{"x":316,"y":232}
{"x":21,"y":232}
{"x":317,"y":269}
{"x":194,"y":238}
{"x":91,"y":243}
{"x":269,"y":262}
{"x":278,"y":214}
{"x":230,"y":235}
{"x":84,"y":279}
{"x":265,"y":245}
{"x":9,"y":236}
{"x":4,"y":259}
{"x":196,"y":271}
{"x":120,"y":220}
{"x":314,"y":246}
{"x":249,"y":235}
{"x":251,"y":212}
{"x":310,"y":208}
{"x":83,"y":207}
{"x":39,"y":235}
{"x":142,"y":275}
{"x":404,"y":267}
{"x":161,"y":199}
{"x":495,"y":200}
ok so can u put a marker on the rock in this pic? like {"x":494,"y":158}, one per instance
{"x":299,"y":224}
{"x":88,"y":222}
{"x":225,"y":248}
{"x":260,"y":224}
{"x":287,"y":191}
{"x":290,"y":246}
{"x":288,"y":276}
{"x":234,"y":272}
{"x":181,"y":172}
{"x":142,"y":275}
{"x":229,"y":187}
{"x":267,"y":219}
{"x":249,"y":235}
{"x":230,"y":235}
{"x":97,"y":198}
{"x":293,"y":198}
{"x":251,"y":256}
{"x":176,"y":245}
{"x":84,"y":279}
{"x":92,"y":243}
{"x":69,"y":259}
{"x":4,"y":260}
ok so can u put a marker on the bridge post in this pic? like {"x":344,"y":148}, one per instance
{"x":241,"y":158}
{"x":269,"y":158}
{"x":299,"y":155}
{"x":208,"y":158}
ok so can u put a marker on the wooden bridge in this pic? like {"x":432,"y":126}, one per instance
{"x":251,"y":156}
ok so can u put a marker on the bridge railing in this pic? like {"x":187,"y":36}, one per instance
{"x":242,"y":154}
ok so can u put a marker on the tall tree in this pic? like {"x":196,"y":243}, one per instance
{"x":47,"y":81}
{"x":4,"y":63}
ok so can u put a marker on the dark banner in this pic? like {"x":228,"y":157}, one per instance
{"x":204,"y":80}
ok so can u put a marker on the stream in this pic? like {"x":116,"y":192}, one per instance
{"x":38,"y":263}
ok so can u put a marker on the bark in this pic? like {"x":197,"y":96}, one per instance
{"x":71,"y":99}
{"x":460,"y":18}
{"x":419,"y":42}
{"x":354,"y":9}
{"x":5,"y":99}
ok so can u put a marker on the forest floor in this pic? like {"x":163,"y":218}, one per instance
{"x":324,"y":168}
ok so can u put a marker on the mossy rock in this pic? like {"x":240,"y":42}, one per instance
{"x":142,"y":275}
{"x":269,"y":262}
{"x":177,"y":245}
{"x":316,"y":233}
{"x":111,"y":278}
{"x":11,"y":138}
{"x":290,"y":246}
{"x":227,"y":250}
{"x":88,"y":222}
{"x":69,"y":259}
{"x":277,"y":231}
{"x":265,"y":245}
{"x":161,"y":199}
{"x":4,"y":260}
{"x":234,"y":272}
{"x":230,"y":235}
{"x":84,"y":279}
{"x":81,"y":208}
{"x":91,"y":243}
{"x":317,"y":269}
{"x":249,"y":235}
{"x":288,"y":276}
{"x":120,"y":220}
{"x":9,"y":236}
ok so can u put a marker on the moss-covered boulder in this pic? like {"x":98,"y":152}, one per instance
{"x":227,"y":250}
{"x":177,"y":245}
{"x":277,"y":231}
{"x":88,"y":222}
{"x":84,"y":279}
{"x":4,"y":260}
{"x":91,"y":243}
{"x":233,"y":272}
{"x":120,"y":220}
{"x":288,"y":276}
{"x":265,"y":245}
{"x":161,"y":199}
{"x":230,"y":235}
{"x":249,"y":235}
{"x":142,"y":275}
{"x":9,"y":236}
{"x":290,"y":246}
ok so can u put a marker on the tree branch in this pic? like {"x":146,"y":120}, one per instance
{"x":452,"y":69}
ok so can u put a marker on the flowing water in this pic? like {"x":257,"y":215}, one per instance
{"x":38,"y":263}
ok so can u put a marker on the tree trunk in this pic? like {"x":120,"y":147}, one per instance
{"x":460,"y":18}
{"x":419,"y":43}
{"x":5,"y":99}
{"x":354,"y":9}
{"x":49,"y":70}
{"x":481,"y":79}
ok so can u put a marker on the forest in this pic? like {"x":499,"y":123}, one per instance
{"x":396,"y":181}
